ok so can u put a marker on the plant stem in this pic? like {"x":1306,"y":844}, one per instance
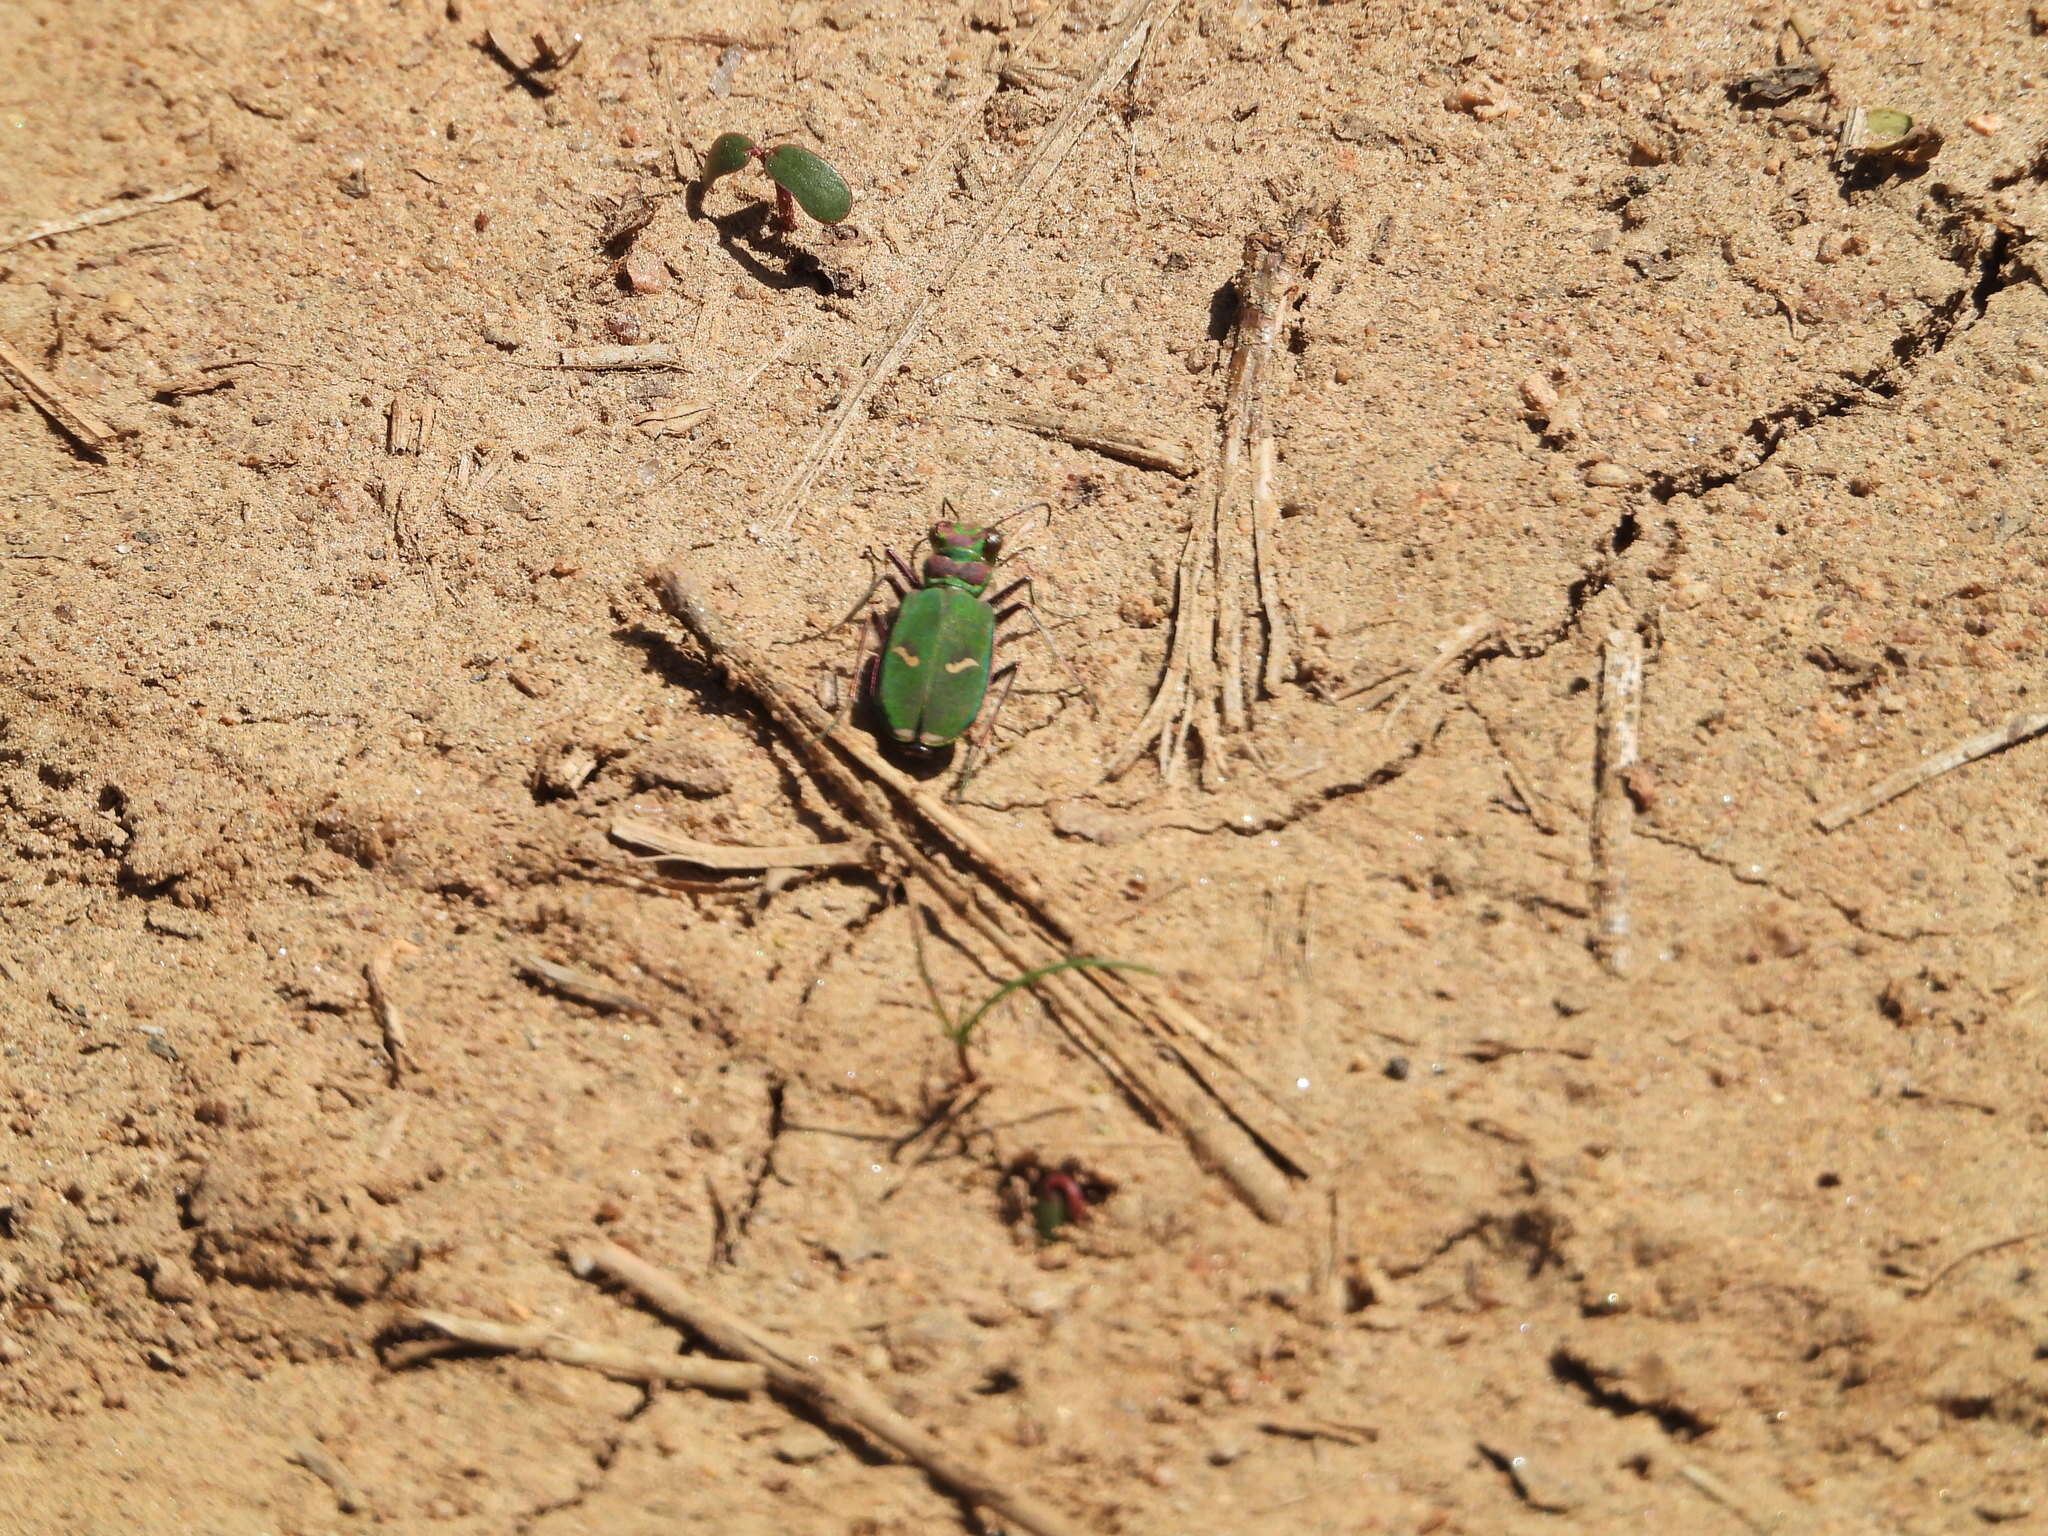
{"x":785,"y":207}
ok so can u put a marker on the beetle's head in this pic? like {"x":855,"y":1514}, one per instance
{"x":966,"y":539}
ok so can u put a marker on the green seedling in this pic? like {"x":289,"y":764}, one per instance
{"x":801,"y":178}
{"x":933,"y":668}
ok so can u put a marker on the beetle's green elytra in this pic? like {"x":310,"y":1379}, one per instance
{"x":937,"y":655}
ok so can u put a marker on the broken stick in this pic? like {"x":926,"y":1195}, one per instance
{"x":1614,"y":754}
{"x":796,"y":1372}
{"x":1147,"y":450}
{"x":542,"y":1343}
{"x":2016,"y":730}
{"x":397,"y":1045}
{"x":111,"y":213}
{"x":316,"y":1459}
{"x":580,"y":986}
{"x":669,"y":844}
{"x":69,"y":414}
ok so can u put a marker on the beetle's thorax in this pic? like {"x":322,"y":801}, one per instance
{"x":957,"y":568}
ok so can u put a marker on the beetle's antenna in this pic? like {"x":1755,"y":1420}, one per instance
{"x":1033,"y":507}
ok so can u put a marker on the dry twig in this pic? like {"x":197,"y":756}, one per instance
{"x":316,"y":1459}
{"x":397,"y":1044}
{"x":1726,"y":1497}
{"x":1614,"y":754}
{"x":541,"y":1342}
{"x":1147,"y":450}
{"x":1452,"y":649}
{"x":110,"y":214}
{"x":796,"y":1372}
{"x":1165,"y":1058}
{"x":591,"y":991}
{"x":71,"y":415}
{"x":1204,"y":690}
{"x":669,"y":844}
{"x":2016,"y":730}
{"x":655,"y":354}
{"x":1982,"y":1250}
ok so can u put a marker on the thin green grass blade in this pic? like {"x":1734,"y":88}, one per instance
{"x":1071,"y":963}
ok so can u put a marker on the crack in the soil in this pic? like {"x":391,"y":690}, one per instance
{"x":1847,"y":911}
{"x":733,"y":1226}
{"x":1991,"y":269}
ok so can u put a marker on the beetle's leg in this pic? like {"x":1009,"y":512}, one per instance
{"x":875,"y":586}
{"x":909,"y":581}
{"x":1024,"y":607}
{"x":984,"y":732}
{"x":866,"y":667}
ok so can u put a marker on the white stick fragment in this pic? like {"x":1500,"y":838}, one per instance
{"x":112,"y":213}
{"x":666,"y":843}
{"x":1614,"y":754}
{"x":2016,"y":730}
{"x":1452,"y":649}
{"x":315,"y":1458}
{"x":542,"y":1342}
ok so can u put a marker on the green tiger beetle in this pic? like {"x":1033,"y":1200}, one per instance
{"x":931,"y":673}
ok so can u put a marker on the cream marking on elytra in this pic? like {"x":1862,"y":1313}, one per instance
{"x":961,"y":665}
{"x":903,"y":655}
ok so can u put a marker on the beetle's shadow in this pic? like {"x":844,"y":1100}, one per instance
{"x":750,"y":236}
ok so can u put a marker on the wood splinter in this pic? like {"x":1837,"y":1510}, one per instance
{"x":542,"y":1342}
{"x":110,"y":214}
{"x":665,"y":843}
{"x":2016,"y":730}
{"x":69,"y":414}
{"x":1614,"y":755}
{"x":316,"y":1459}
{"x":397,"y":1044}
{"x":796,"y":1372}
{"x":1147,"y":450}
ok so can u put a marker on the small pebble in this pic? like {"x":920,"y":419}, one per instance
{"x":1986,"y":123}
{"x":1397,"y":1068}
{"x":645,"y":272}
{"x":801,"y":1446}
{"x":1611,"y":476}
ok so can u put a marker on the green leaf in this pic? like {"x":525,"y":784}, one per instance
{"x":729,"y":152}
{"x":813,"y":183}
{"x":1883,"y":125}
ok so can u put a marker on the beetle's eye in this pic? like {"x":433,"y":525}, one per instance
{"x":994,"y":542}
{"x":939,"y":534}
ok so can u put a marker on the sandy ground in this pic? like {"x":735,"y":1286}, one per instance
{"x":343,"y":655}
